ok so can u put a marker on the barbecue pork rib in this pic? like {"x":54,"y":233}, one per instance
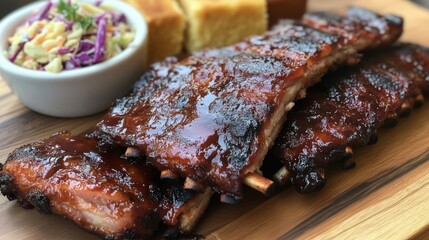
{"x":92,"y":184}
{"x":359,"y":27}
{"x":346,"y":109}
{"x":213,"y":116}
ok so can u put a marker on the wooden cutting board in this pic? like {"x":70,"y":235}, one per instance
{"x":384,"y":197}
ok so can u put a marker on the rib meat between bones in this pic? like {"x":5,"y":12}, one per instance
{"x":214,"y":115}
{"x":92,"y":184}
{"x":346,"y":109}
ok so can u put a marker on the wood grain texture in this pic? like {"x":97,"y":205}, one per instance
{"x":384,"y":197}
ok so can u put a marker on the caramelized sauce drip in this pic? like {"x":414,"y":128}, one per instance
{"x":84,"y":179}
{"x":346,"y":108}
{"x":205,"y":116}
{"x":71,"y":170}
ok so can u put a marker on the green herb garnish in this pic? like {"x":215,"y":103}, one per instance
{"x":70,"y":13}
{"x":85,"y":22}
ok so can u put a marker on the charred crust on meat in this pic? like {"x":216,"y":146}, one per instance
{"x":346,"y":156}
{"x":192,"y":237}
{"x":405,"y":110}
{"x":155,"y":193}
{"x":6,"y":186}
{"x":40,"y":201}
{"x":1,"y":166}
{"x":364,"y":98}
{"x":390,"y":122}
{"x":348,"y":164}
{"x":24,"y":203}
{"x":24,"y":151}
{"x":150,"y":220}
{"x":129,"y":234}
{"x":174,"y":193}
{"x":237,"y":89}
{"x":419,"y":100}
{"x":373,"y":139}
{"x":309,"y":182}
{"x":91,"y":134}
{"x":171,"y":233}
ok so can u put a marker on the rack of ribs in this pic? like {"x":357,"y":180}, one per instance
{"x":345,"y":110}
{"x":213,"y":116}
{"x":91,"y":183}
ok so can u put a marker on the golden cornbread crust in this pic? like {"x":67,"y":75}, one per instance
{"x":217,"y":23}
{"x":166,"y":27}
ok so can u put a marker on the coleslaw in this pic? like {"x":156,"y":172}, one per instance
{"x":69,"y":35}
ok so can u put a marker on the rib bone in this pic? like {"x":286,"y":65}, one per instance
{"x":167,"y":174}
{"x":191,"y":184}
{"x":405,"y":110}
{"x":281,"y":177}
{"x":132,"y":152}
{"x":259,"y":183}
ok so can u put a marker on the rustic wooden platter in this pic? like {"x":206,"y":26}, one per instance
{"x":384,"y":197}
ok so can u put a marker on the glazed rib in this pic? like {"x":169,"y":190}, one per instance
{"x":346,"y":109}
{"x":92,"y":184}
{"x":213,"y":116}
{"x":355,"y":32}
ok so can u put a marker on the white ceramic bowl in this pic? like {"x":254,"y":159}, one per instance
{"x":78,"y":92}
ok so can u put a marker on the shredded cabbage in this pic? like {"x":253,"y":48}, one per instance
{"x":71,"y":34}
{"x":100,"y":50}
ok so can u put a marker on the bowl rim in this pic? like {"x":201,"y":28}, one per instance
{"x":10,"y":22}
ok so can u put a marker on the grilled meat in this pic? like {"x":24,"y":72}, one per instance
{"x":361,"y":26}
{"x":411,"y":59}
{"x":92,"y":184}
{"x":214,"y":115}
{"x":181,"y":208}
{"x":346,"y":109}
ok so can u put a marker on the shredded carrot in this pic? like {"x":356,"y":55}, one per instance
{"x":39,"y":38}
{"x":40,"y":24}
{"x":110,"y":29}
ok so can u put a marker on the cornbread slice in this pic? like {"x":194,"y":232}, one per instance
{"x":217,"y":23}
{"x":166,"y":27}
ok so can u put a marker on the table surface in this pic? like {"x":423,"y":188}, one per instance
{"x":384,"y":197}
